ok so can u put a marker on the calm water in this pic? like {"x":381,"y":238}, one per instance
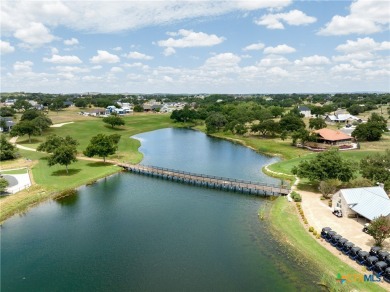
{"x":134,"y":233}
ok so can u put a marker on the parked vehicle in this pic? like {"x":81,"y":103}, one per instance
{"x":338,"y":213}
{"x":354,"y":252}
{"x":386,"y":275}
{"x":330,"y":235}
{"x":387,"y":260}
{"x":382,"y":255}
{"x":370,"y":262}
{"x":324,"y":231}
{"x":379,"y":268}
{"x":362,"y":257}
{"x":365,"y":228}
{"x":347,"y":247}
{"x":374,"y":251}
{"x":335,"y":239}
{"x":340,"y":243}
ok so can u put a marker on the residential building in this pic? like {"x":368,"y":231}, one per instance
{"x":304,"y":110}
{"x":332,"y":137}
{"x":6,"y":124}
{"x":342,"y":118}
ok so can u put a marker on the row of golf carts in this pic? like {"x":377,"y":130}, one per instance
{"x":377,"y":260}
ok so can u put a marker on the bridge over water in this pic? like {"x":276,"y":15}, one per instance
{"x":209,"y":181}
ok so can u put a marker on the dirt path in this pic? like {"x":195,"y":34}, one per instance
{"x":60,"y":125}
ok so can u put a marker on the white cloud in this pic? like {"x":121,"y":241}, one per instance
{"x":104,"y":57}
{"x":343,"y":68}
{"x":169,"y":51}
{"x":354,"y":56}
{"x":223,"y":60}
{"x":278,"y":72}
{"x":280,"y":49}
{"x":114,"y":16}
{"x":293,"y":17}
{"x":273,"y":60}
{"x":5,"y":47}
{"x":138,"y":56}
{"x":191,"y":39}
{"x":35,"y":34}
{"x":313,"y":61}
{"x":72,"y":69}
{"x":254,"y":47}
{"x":54,"y":51}
{"x":71,"y":42}
{"x":362,"y":45}
{"x":116,"y":70}
{"x":57,"y":59}
{"x":97,"y":67}
{"x":168,"y":79}
{"x":24,"y":66}
{"x":366,"y":17}
{"x":117,"y":49}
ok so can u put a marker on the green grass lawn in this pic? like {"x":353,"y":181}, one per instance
{"x":286,"y":226}
{"x":83,"y":131}
{"x":287,"y":165}
{"x":16,"y":171}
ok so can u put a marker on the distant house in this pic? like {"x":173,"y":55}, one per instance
{"x":342,"y":118}
{"x":304,"y":110}
{"x":97,"y":112}
{"x":332,"y":137}
{"x":6,"y":124}
{"x":368,"y":202}
{"x":9,"y":102}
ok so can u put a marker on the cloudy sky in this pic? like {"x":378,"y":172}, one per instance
{"x":264,"y":46}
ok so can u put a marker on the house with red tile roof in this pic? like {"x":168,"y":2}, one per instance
{"x":332,"y":137}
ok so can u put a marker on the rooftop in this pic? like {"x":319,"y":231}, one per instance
{"x":332,"y":135}
{"x":370,"y":202}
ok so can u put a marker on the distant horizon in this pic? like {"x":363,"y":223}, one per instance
{"x":277,"y":47}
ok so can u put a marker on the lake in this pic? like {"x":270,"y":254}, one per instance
{"x":132,"y":232}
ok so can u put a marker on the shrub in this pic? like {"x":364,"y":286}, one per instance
{"x":65,"y":193}
{"x":318,"y":236}
{"x":311,"y":229}
{"x":305,"y":221}
{"x":315,"y":232}
{"x":296,"y":197}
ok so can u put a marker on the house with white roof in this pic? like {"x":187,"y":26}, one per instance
{"x":367,"y":202}
{"x":342,"y":118}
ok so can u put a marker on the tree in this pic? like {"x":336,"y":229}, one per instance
{"x":215,"y":122}
{"x":328,"y":187}
{"x":368,"y":132}
{"x":184,"y":115}
{"x":25,"y":128}
{"x":57,"y":104}
{"x":291,"y":123}
{"x":81,"y":103}
{"x":63,"y":155}
{"x":317,"y":123}
{"x":325,"y":165}
{"x":266,"y":127}
{"x":7,"y":150}
{"x":22,"y":104}
{"x":376,"y":167}
{"x":42,"y":122}
{"x":30,"y":114}
{"x":6,"y":111}
{"x":3,"y":184}
{"x":379,"y":121}
{"x":102,"y":145}
{"x":138,"y":108}
{"x":114,"y":120}
{"x":379,"y":229}
{"x":53,"y":142}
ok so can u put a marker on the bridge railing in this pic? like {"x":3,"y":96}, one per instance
{"x":164,"y":169}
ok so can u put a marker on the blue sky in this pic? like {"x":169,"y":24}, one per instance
{"x":264,"y":46}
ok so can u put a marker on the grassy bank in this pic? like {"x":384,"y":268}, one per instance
{"x":84,"y":130}
{"x":287,"y":227}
